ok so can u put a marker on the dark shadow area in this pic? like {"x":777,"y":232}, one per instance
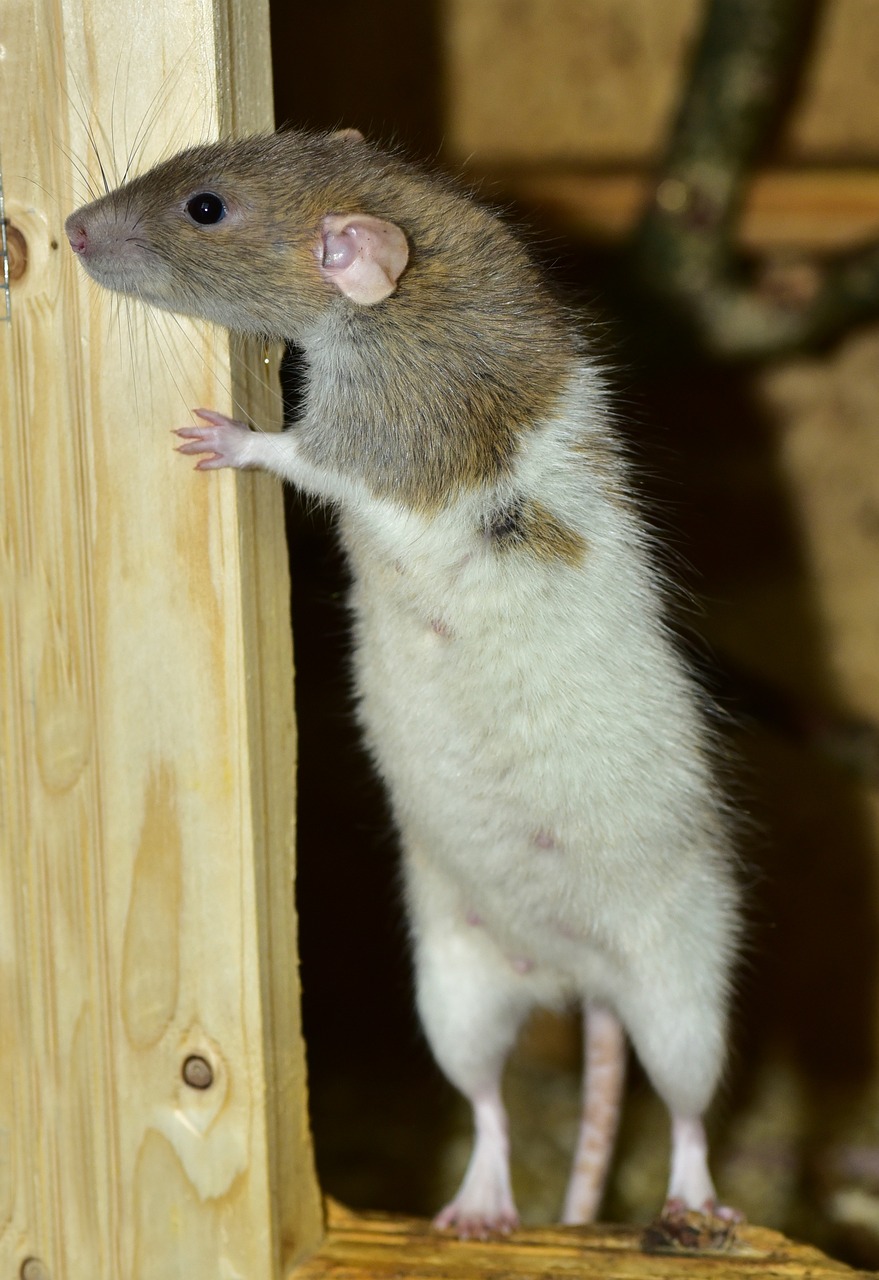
{"x":366,"y":1058}
{"x":375,"y":67}
{"x":708,"y":473}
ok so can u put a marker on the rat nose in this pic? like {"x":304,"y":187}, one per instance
{"x":76,"y":234}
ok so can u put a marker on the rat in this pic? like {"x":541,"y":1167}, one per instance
{"x":544,"y":744}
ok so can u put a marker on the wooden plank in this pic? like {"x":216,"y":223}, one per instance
{"x":813,"y":210}
{"x":380,"y":1247}
{"x":146,"y":914}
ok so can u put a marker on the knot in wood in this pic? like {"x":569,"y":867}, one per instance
{"x":197,"y":1072}
{"x":34,"y":1269}
{"x":16,"y":252}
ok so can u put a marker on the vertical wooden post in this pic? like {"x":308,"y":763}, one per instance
{"x":152,"y":1082}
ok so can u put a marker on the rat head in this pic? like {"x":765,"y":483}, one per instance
{"x":261,"y":235}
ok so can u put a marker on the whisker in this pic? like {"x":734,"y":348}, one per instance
{"x":47,"y":191}
{"x":160,"y":99}
{"x":91,"y":135}
{"x":236,"y":360}
{"x":76,"y":164}
{"x":79,"y":170}
{"x":113,"y":108}
{"x":164,"y":346}
{"x":145,"y":128}
{"x":156,"y":335}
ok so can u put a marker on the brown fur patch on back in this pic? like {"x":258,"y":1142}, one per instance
{"x":527,"y":525}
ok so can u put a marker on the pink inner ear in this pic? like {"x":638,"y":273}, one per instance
{"x":340,"y":249}
{"x":362,"y":256}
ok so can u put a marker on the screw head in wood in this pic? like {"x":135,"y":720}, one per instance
{"x":197,"y":1072}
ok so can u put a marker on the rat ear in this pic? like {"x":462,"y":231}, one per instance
{"x":348,"y":135}
{"x":363,"y":257}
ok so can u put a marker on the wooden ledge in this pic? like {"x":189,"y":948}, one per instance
{"x":376,"y":1246}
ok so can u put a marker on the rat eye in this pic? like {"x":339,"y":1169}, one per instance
{"x":206,"y":208}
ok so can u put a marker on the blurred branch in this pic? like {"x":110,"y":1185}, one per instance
{"x":684,"y":251}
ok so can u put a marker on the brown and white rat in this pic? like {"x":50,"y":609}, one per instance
{"x":541,"y":738}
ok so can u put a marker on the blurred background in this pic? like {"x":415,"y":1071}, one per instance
{"x":760,"y":461}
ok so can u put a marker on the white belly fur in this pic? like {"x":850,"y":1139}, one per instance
{"x":541,"y":739}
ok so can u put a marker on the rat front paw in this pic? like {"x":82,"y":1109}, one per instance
{"x":679,"y":1229}
{"x":226,"y":441}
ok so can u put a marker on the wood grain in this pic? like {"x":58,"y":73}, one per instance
{"x":146,"y":909}
{"x":379,"y":1247}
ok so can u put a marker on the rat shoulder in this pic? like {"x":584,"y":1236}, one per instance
{"x":563,"y":494}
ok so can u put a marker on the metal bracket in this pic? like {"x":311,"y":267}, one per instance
{"x":6,"y":306}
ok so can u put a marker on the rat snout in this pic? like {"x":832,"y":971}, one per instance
{"x":97,"y":231}
{"x":115,"y":245}
{"x":101,"y":237}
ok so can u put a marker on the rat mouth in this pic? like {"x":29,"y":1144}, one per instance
{"x":125,"y":278}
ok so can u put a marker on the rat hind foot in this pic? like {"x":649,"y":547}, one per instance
{"x":484,"y":1205}
{"x":692,"y":1219}
{"x":475,"y":1221}
{"x":678,"y":1229}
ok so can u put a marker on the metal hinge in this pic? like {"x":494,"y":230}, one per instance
{"x":6,"y":302}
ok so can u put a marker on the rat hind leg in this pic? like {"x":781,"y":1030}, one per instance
{"x":676,"y":1019}
{"x":472,"y":1002}
{"x":604,"y":1071}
